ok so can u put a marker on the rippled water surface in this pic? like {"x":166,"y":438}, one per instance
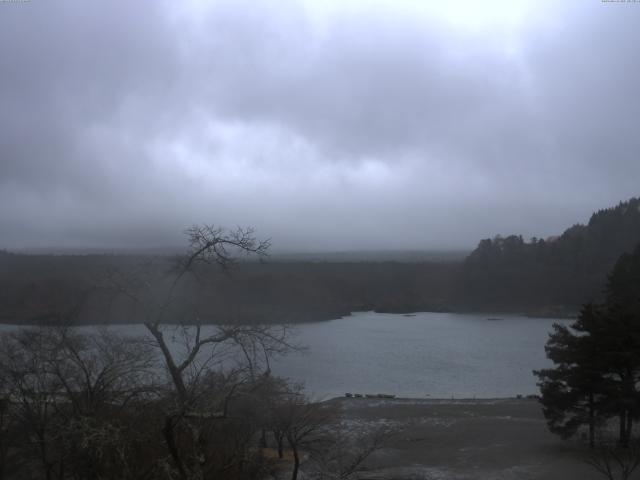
{"x":439,"y":355}
{"x":429,"y":354}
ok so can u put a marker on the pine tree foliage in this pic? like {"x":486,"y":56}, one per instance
{"x":596,"y":373}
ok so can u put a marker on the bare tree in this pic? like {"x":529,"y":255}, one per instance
{"x":103,"y":369}
{"x":190,"y":351}
{"x":344,"y":455}
{"x":614,"y":462}
{"x":7,"y":431}
{"x":69,"y":395}
{"x":301,"y":422}
{"x":31,"y":389}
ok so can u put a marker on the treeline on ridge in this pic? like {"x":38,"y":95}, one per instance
{"x":37,"y":288}
{"x":552,"y":276}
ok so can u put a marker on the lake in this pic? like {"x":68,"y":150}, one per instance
{"x":435,"y":355}
{"x":438,"y":355}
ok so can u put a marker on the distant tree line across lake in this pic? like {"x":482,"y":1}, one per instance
{"x":550,"y":277}
{"x":559,"y":274}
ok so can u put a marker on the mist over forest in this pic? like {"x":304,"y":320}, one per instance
{"x":548,"y":277}
{"x":319,"y":239}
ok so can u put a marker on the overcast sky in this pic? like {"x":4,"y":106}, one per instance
{"x":327,"y":125}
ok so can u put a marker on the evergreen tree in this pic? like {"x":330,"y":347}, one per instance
{"x":621,"y":340}
{"x":573,"y":392}
{"x":597,"y":360}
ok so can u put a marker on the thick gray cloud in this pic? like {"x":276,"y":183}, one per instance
{"x":380,"y":125}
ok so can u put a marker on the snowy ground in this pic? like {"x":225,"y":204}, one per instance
{"x":501,"y":439}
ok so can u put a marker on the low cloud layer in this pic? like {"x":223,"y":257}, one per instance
{"x":380,"y":125}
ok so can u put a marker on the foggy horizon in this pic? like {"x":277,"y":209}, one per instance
{"x":375,"y":126}
{"x":275,"y":250}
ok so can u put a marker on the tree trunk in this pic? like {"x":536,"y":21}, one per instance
{"x":61,"y":470}
{"x":176,"y":374}
{"x":296,"y":463}
{"x":623,"y":428}
{"x":43,"y":456}
{"x":280,"y":440}
{"x":167,"y":431}
{"x":592,"y":421}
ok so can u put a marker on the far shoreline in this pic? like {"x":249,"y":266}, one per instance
{"x":491,"y":315}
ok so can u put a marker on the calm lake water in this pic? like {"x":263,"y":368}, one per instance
{"x":438,"y":355}
{"x":430,"y":354}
